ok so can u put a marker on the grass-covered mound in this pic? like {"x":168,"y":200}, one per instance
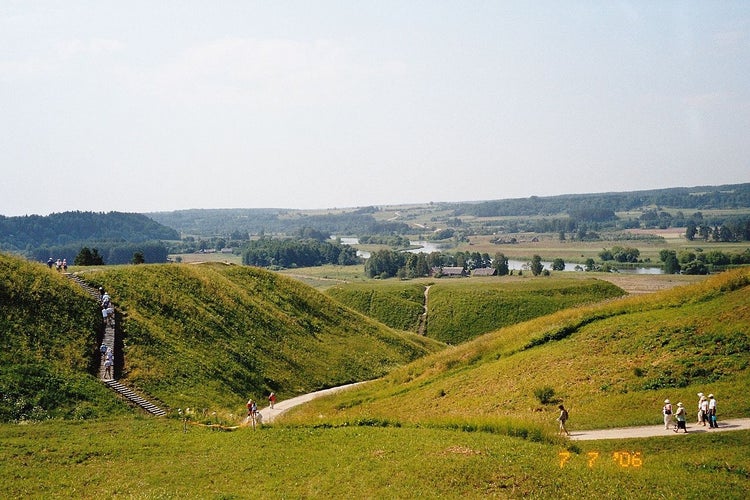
{"x":210,"y":335}
{"x":460,"y":310}
{"x":612,"y":363}
{"x":48,"y":335}
{"x":395,"y":304}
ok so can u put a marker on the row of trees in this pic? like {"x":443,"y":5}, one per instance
{"x":699,"y":262}
{"x":389,"y":263}
{"x":735,"y":229}
{"x":270,"y":252}
{"x":108,"y":251}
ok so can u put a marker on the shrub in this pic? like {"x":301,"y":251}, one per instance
{"x":544,"y":394}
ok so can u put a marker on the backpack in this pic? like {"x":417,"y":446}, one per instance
{"x":564,"y":415}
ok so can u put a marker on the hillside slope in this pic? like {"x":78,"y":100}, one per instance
{"x":49,"y":330}
{"x":211,"y":335}
{"x":613,"y":363}
{"x":460,"y":310}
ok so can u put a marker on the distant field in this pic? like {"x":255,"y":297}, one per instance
{"x":192,"y":258}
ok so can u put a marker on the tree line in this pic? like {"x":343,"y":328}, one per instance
{"x":103,"y":252}
{"x":290,"y":253}
{"x":700,"y":262}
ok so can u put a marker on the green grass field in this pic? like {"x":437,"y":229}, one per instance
{"x":156,"y":458}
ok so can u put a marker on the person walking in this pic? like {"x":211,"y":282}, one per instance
{"x":704,"y":410}
{"x":108,"y":367}
{"x":667,"y":412}
{"x":252,"y":411}
{"x":562,"y":419}
{"x":272,"y":400}
{"x":681,"y":415}
{"x":712,"y":412}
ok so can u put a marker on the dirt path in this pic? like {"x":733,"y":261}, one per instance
{"x":422,"y":328}
{"x":270,"y":415}
{"x":657,"y":430}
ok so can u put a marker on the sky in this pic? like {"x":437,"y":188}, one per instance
{"x":147,"y":106}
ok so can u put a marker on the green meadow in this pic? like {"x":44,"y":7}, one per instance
{"x":434,"y":420}
{"x":138,"y":457}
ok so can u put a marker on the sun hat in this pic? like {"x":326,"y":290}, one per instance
{"x":710,"y":395}
{"x":700,"y":394}
{"x":679,"y":404}
{"x":666,"y":401}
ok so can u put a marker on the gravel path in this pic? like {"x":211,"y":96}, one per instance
{"x":270,"y":414}
{"x":657,"y":430}
{"x":619,"y":433}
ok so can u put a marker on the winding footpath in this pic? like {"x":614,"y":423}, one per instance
{"x":269,"y":415}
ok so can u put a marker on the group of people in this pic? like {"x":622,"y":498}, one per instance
{"x":108,"y":310}
{"x":60,"y":265}
{"x":253,"y":415}
{"x":706,"y":413}
{"x":109,"y":360}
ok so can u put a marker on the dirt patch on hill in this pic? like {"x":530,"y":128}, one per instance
{"x":650,"y":283}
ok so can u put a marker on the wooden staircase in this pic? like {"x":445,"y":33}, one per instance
{"x":109,"y":341}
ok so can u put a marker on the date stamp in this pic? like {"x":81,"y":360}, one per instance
{"x":623,"y":459}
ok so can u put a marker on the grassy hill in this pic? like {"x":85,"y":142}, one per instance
{"x":211,"y":335}
{"x":49,"y":329}
{"x":613,"y":363}
{"x":460,"y":310}
{"x":205,"y":336}
{"x":395,"y":304}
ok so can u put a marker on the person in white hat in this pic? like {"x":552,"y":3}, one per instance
{"x":703,"y":405}
{"x":681,"y":415}
{"x":712,"y":412}
{"x":667,"y":412}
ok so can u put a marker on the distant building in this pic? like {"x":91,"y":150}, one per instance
{"x":483,"y":271}
{"x":452,"y":272}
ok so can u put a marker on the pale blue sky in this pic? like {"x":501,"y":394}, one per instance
{"x":146,"y":106}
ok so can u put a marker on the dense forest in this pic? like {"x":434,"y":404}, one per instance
{"x":221,"y":222}
{"x":598,"y":207}
{"x":116,"y":236}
